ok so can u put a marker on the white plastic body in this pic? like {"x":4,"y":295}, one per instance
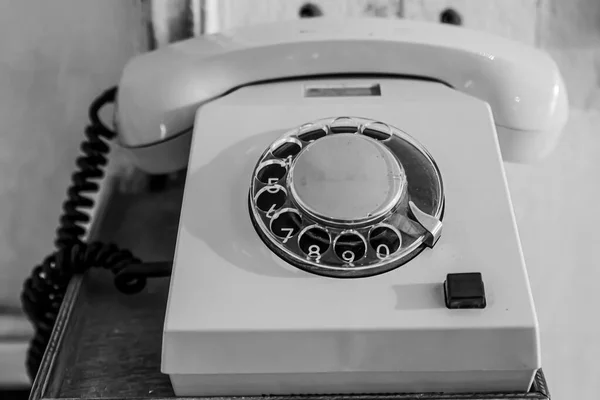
{"x":160,"y":91}
{"x":240,"y":321}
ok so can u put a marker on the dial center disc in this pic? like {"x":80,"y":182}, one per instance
{"x":347,"y":178}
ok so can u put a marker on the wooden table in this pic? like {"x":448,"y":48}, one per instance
{"x":108,"y":345}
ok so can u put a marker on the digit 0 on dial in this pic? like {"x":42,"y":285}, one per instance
{"x":332,"y":197}
{"x":385,"y":239}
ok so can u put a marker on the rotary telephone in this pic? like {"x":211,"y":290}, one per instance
{"x":346,"y":224}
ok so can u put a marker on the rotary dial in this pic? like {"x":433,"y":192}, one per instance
{"x":346,"y":197}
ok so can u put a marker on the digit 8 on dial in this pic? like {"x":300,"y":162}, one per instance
{"x":314,"y":241}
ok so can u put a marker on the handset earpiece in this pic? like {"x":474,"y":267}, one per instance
{"x":160,"y":91}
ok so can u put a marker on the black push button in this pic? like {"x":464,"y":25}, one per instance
{"x":464,"y":290}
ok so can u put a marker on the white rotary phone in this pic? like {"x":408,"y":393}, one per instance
{"x":346,"y":225}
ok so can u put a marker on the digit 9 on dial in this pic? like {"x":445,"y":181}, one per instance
{"x":346,"y":197}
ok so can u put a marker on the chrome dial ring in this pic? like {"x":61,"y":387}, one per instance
{"x":346,"y":197}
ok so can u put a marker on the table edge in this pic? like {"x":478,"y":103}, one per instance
{"x":43,"y":378}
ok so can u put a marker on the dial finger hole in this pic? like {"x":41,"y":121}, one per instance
{"x":377,"y":130}
{"x":344,"y":125}
{"x":286,"y":223}
{"x":350,"y":247}
{"x":287,"y":148}
{"x":271,"y":171}
{"x":270,"y":199}
{"x":312,"y":133}
{"x":314,"y":242}
{"x":385,"y":240}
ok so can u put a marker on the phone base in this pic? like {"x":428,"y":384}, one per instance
{"x":241,"y":320}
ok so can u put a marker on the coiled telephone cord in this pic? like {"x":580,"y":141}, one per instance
{"x":44,"y":290}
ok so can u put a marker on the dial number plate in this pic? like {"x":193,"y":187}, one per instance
{"x":346,"y":197}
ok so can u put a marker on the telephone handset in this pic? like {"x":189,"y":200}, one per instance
{"x":161,"y":91}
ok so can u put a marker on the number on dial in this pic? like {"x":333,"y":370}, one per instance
{"x":385,"y":241}
{"x":350,"y":247}
{"x":270,"y":199}
{"x":286,"y":223}
{"x":314,"y":242}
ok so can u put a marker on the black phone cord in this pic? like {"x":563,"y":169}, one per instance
{"x":44,"y":290}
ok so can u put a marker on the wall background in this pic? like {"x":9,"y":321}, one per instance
{"x":58,"y":55}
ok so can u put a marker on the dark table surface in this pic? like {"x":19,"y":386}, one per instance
{"x":108,"y":345}
{"x":110,"y":342}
